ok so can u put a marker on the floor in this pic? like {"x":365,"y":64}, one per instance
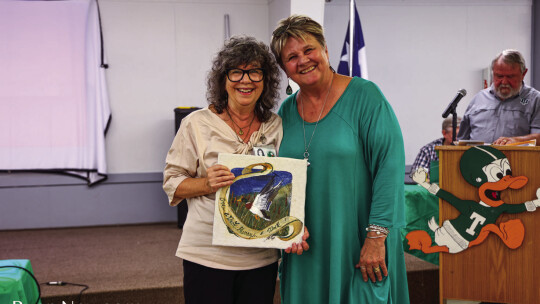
{"x":120,"y":261}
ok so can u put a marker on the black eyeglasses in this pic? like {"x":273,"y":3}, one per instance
{"x":255,"y":75}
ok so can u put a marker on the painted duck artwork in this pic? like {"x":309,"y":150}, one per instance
{"x":262,"y":208}
{"x":487,"y":169}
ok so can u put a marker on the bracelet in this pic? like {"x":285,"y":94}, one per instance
{"x":377,"y":229}
{"x":376,"y":237}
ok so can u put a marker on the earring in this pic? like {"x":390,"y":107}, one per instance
{"x":289,"y":89}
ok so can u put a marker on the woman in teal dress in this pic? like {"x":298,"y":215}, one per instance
{"x":354,"y":210}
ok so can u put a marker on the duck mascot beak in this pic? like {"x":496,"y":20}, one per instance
{"x":488,"y":169}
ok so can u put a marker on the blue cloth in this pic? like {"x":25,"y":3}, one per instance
{"x":487,"y":117}
{"x":359,"y":62}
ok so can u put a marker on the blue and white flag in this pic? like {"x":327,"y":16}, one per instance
{"x":359,"y":51}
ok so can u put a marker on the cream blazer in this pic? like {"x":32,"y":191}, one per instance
{"x":201,"y":137}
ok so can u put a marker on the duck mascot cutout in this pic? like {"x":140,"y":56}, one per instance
{"x":489,"y":170}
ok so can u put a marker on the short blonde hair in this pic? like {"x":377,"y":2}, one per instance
{"x":296,"y":26}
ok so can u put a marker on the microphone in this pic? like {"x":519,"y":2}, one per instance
{"x":452,"y":106}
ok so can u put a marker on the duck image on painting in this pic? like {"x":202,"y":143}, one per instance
{"x":264,"y":207}
{"x":487,"y":169}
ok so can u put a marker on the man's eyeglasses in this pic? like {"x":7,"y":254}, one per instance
{"x":255,"y":75}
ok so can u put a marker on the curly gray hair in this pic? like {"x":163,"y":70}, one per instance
{"x":238,"y":51}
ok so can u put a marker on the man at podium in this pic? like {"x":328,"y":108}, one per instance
{"x":508,"y":108}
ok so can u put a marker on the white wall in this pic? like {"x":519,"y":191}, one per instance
{"x":278,"y":9}
{"x":311,"y":8}
{"x":159,"y":54}
{"x":419,"y":52}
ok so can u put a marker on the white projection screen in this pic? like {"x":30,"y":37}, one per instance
{"x":54,"y":109}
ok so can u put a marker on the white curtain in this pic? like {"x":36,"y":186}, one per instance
{"x":54,"y":108}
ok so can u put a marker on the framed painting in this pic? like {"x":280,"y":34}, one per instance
{"x":264,"y":207}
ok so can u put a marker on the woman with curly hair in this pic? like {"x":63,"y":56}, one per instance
{"x":242,"y":91}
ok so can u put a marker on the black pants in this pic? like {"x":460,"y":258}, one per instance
{"x":204,"y":285}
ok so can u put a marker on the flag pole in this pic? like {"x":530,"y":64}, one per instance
{"x":351,"y":36}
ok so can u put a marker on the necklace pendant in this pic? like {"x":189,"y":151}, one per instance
{"x":241,"y":132}
{"x":306,"y":157}
{"x":306,"y":144}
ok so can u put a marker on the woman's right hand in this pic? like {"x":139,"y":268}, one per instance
{"x":218,"y":176}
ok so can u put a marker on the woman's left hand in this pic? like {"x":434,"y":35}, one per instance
{"x":298,"y":248}
{"x":372,"y":259}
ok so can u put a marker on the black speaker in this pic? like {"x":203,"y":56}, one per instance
{"x":179,"y":114}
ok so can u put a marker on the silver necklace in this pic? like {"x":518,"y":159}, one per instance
{"x":306,"y":145}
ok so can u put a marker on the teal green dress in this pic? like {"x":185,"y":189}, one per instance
{"x":356,"y":178}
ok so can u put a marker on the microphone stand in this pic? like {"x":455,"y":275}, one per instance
{"x":451,"y":110}
{"x":454,"y":123}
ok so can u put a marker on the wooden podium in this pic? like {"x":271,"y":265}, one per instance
{"x":491,"y":271}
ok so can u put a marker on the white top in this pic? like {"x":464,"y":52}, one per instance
{"x":201,"y":137}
